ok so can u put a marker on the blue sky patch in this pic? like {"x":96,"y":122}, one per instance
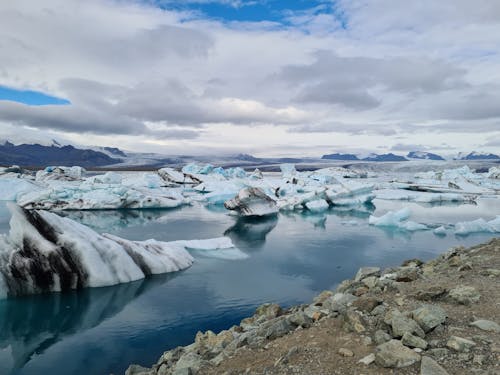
{"x":252,"y":11}
{"x":30,"y":97}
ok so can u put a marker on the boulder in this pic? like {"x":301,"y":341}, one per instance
{"x":486,"y":325}
{"x":367,"y":271}
{"x":429,"y":316}
{"x":413,"y":341}
{"x":460,"y":344}
{"x":464,"y":295}
{"x":429,"y":366}
{"x":395,"y":355}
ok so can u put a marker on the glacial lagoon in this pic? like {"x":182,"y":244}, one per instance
{"x":290,"y":258}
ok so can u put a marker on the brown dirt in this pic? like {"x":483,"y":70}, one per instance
{"x":317,"y":347}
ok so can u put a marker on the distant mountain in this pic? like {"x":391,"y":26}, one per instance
{"x":247,"y":157}
{"x":423,"y":155}
{"x":385,"y":157}
{"x":337,"y":156}
{"x":477,"y":156}
{"x":55,"y":154}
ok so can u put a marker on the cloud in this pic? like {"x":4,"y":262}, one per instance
{"x":365,"y":72}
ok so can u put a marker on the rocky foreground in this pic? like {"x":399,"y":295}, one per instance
{"x":434,"y":318}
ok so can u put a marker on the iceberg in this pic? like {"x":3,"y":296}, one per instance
{"x":479,"y":225}
{"x":173,"y":177}
{"x":318,"y":205}
{"x":60,"y":174}
{"x":48,"y":253}
{"x":397,"y":219}
{"x":90,"y":196}
{"x":12,"y":188}
{"x":252,"y":202}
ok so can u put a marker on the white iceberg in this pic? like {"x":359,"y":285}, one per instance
{"x":479,"y":225}
{"x":60,"y":174}
{"x":12,"y":188}
{"x":319,"y":205}
{"x":48,"y":253}
{"x":397,"y":219}
{"x":252,"y":202}
{"x":90,"y":196}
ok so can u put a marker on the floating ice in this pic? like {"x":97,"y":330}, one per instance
{"x":397,"y":219}
{"x":318,"y":205}
{"x":12,"y":188}
{"x":440,"y":231}
{"x":252,"y":202}
{"x":60,"y":174}
{"x":479,"y":225}
{"x":45,"y":253}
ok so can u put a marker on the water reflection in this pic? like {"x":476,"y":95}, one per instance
{"x":106,"y":220}
{"x":30,"y":325}
{"x":251,"y":233}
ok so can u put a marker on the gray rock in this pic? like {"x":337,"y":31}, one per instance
{"x":431,"y":367}
{"x":268,"y":310}
{"x":379,"y":310}
{"x":369,"y":359}
{"x":407,"y":274}
{"x":300,"y":319}
{"x":339,"y":302}
{"x":354,"y":321}
{"x":381,"y":336}
{"x":413,"y":341}
{"x":138,"y":370}
{"x":401,"y":324}
{"x":183,"y":371}
{"x":432,"y":293}
{"x":345,"y":352}
{"x":429,"y":316}
{"x":464,"y":295}
{"x":394,"y":354}
{"x":189,"y":362}
{"x":486,"y":325}
{"x":367,"y":271}
{"x":366,"y":303}
{"x":460,"y":344}
{"x":438,"y":352}
{"x":370,"y":281}
{"x":278,"y":328}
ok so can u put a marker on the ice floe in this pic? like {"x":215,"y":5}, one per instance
{"x":252,"y":202}
{"x":44,"y":252}
{"x":397,"y":219}
{"x":479,"y":225}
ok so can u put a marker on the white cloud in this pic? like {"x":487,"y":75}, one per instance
{"x":133,"y":70}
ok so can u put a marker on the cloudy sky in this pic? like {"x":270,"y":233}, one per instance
{"x":268,"y":77}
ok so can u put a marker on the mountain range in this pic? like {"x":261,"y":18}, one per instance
{"x":54,"y":153}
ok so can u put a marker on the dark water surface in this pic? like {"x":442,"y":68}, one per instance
{"x":291,"y":258}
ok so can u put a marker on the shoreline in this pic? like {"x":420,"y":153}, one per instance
{"x":437,"y":317}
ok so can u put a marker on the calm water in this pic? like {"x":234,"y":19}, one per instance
{"x":291,"y":258}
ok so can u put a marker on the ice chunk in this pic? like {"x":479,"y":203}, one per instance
{"x":107,"y":178}
{"x":391,"y":218}
{"x":494,"y":173}
{"x":479,"y":225}
{"x":318,"y":205}
{"x":440,"y":231}
{"x":252,"y":202}
{"x":89,"y":196}
{"x":194,"y":168}
{"x":397,"y":219}
{"x":12,"y":188}
{"x":288,"y":170}
{"x":173,"y":177}
{"x":60,"y":174}
{"x":45,"y":252}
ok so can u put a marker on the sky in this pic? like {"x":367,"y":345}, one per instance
{"x":265,"y":77}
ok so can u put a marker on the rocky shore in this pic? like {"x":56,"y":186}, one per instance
{"x":434,"y":318}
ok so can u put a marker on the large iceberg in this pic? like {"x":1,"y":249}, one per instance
{"x":252,"y":202}
{"x":48,"y":253}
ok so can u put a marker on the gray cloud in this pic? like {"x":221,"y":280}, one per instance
{"x":347,"y":80}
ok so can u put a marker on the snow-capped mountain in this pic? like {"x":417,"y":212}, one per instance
{"x":474,"y":155}
{"x":338,"y":156}
{"x":423,"y":155}
{"x":385,"y":157}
